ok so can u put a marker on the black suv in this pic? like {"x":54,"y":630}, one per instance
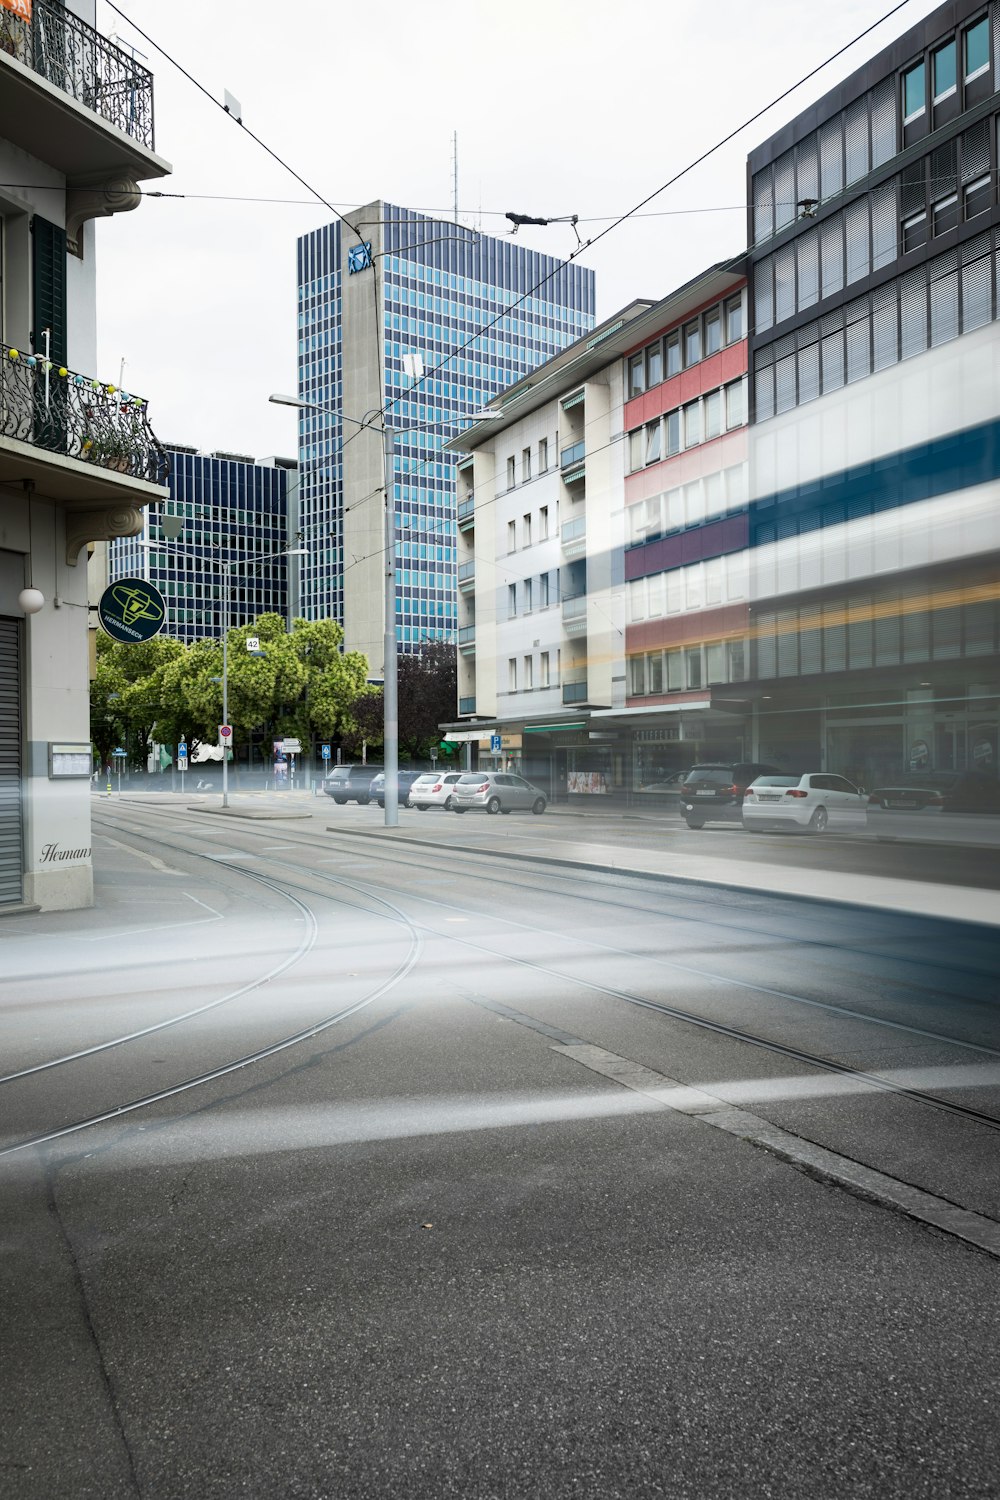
{"x":714,"y":792}
{"x":350,"y":784}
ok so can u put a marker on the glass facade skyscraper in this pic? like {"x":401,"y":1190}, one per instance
{"x":479,"y":313}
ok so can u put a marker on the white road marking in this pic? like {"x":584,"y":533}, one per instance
{"x":203,"y":904}
{"x":141,"y":854}
{"x":974,"y":1228}
{"x":104,"y":937}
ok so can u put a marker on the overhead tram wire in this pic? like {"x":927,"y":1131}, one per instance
{"x":623,"y":218}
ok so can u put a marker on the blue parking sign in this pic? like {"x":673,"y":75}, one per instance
{"x":496,"y":744}
{"x":325,"y":752}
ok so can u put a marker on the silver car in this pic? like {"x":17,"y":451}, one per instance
{"x":496,"y":792}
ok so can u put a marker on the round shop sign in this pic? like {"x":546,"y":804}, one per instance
{"x":132,"y":610}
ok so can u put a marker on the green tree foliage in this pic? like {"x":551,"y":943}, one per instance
{"x":428,"y":686}
{"x":302,"y":684}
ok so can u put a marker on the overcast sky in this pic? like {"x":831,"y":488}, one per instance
{"x":561,"y":107}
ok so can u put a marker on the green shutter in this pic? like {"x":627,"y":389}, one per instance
{"x":48,"y":246}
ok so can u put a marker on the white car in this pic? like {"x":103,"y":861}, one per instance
{"x":434,"y":789}
{"x":812,"y":803}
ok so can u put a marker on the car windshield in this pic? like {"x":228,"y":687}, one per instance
{"x":777,"y":781}
{"x":717,"y":775}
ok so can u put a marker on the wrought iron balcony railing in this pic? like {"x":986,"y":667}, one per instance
{"x":75,"y":58}
{"x":45,"y":404}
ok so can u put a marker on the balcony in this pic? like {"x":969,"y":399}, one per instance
{"x":467,"y":514}
{"x":574,"y":615}
{"x":467,"y":576}
{"x":573,"y":536}
{"x":574,"y":692}
{"x":467,"y":639}
{"x":74,"y":437}
{"x":73,"y":99}
{"x":466,"y":705}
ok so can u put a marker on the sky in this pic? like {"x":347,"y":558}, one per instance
{"x":560,"y":107}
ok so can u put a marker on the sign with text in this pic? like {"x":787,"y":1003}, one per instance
{"x":132,"y":610}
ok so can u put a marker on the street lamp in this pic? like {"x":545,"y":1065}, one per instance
{"x":226,"y":569}
{"x":390,"y":689}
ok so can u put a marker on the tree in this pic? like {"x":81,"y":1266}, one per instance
{"x":427,"y":687}
{"x":125,"y":695}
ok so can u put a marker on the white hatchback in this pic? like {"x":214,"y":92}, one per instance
{"x":434,"y":790}
{"x":813,"y":803}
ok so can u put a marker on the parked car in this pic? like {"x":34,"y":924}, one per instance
{"x":349,"y":784}
{"x":496,"y":792}
{"x":406,"y":780}
{"x":713,"y":792}
{"x":668,"y":786}
{"x":913,"y":792}
{"x":811,"y":803}
{"x":973,"y":792}
{"x":434,"y":789}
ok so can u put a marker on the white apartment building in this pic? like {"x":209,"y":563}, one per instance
{"x":78,"y":459}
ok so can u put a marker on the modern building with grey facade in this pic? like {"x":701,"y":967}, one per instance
{"x":229,"y":508}
{"x":478,"y":313}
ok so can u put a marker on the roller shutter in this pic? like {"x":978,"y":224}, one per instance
{"x":11,"y":860}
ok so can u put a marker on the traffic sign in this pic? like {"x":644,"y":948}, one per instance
{"x":225,"y":731}
{"x":496,"y":743}
{"x":118,"y":752}
{"x":325,"y":752}
{"x":182,"y":762}
{"x":182,"y":748}
{"x":291,"y":747}
{"x":253,"y":643}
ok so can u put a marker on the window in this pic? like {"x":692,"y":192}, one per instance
{"x":734,"y":320}
{"x":511,"y":477}
{"x":715,"y":662}
{"x":525,"y":464}
{"x":673,"y":432}
{"x":735,"y":404}
{"x":543,"y":667}
{"x":944,"y":214}
{"x":654,"y":672}
{"x":914,"y":231}
{"x":527,"y":588}
{"x":713,"y":414}
{"x":511,"y":536}
{"x":543,"y":455}
{"x":692,"y":424}
{"x":543,"y":591}
{"x":511,"y":600}
{"x":636,"y":375}
{"x":512,"y":674}
{"x":654,"y":365}
{"x":944,"y":65}
{"x":673,"y":354}
{"x":543,"y":523}
{"x":913,"y":93}
{"x":977,"y":196}
{"x":526,"y":530}
{"x":653,"y":453}
{"x":692,"y":343}
{"x":528,"y":674}
{"x":692,"y":661}
{"x":636,"y":449}
{"x":713,"y":332}
{"x":675,"y":671}
{"x":977,"y":49}
{"x":637,"y":673}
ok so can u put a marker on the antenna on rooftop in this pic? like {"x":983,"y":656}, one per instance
{"x":454,"y":172}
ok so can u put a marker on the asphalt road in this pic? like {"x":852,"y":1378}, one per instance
{"x":338,"y":1165}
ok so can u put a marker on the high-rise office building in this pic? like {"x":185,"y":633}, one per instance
{"x":396,"y":294}
{"x":232,"y":509}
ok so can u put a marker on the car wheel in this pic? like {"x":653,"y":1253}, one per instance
{"x":448,"y":804}
{"x":538,"y":806}
{"x":420,"y":806}
{"x":460,"y":810}
{"x":695,"y":822}
{"x":819,"y":820}
{"x":364,"y":801}
{"x":340,"y":801}
{"x":493,"y":806}
{"x":380,"y":802}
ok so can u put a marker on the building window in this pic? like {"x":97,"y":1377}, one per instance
{"x":913,"y":93}
{"x":528,"y":674}
{"x":944,"y":214}
{"x":713,"y":332}
{"x":653,"y":442}
{"x":636,"y":375}
{"x":543,"y":670}
{"x":692,"y":424}
{"x":977,"y":49}
{"x":511,"y":536}
{"x":543,"y":591}
{"x":735,"y":404}
{"x":525,"y":464}
{"x":511,"y":477}
{"x":713,"y":414}
{"x":673,"y":432}
{"x":528,"y":590}
{"x":543,"y":455}
{"x":637,"y":671}
{"x":675,"y":671}
{"x":543,"y":523}
{"x":944,"y":65}
{"x":512,"y":674}
{"x":673,"y":354}
{"x":692,"y":343}
{"x":914,"y":231}
{"x":511,"y":600}
{"x":526,"y":530}
{"x":636,"y":449}
{"x":654,"y":365}
{"x":977,"y":197}
{"x":654,"y":672}
{"x":734,"y":320}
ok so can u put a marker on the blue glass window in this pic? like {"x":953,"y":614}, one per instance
{"x":977,"y":49}
{"x":914,"y":91}
{"x":945,"y":71}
